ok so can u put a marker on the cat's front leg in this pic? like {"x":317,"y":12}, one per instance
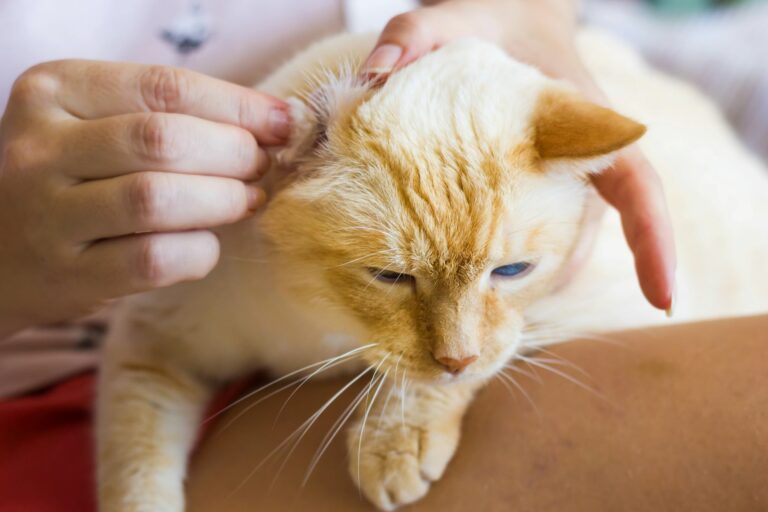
{"x":148,"y":417}
{"x":403,"y":440}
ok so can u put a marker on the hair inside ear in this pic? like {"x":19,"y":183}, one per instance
{"x":568,"y":127}
{"x":329,"y":100}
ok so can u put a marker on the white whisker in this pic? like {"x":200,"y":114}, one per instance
{"x":557,"y":359}
{"x":506,"y":385}
{"x":391,"y":389}
{"x":330,"y":364}
{"x":383,"y":251}
{"x":332,"y":433}
{"x":522,"y":390}
{"x":365,"y":418}
{"x":402,"y":401}
{"x":302,"y":429}
{"x":284,"y":377}
{"x":569,"y":378}
{"x":531,"y":375}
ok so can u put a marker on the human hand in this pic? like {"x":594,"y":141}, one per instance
{"x":111,"y":175}
{"x":542,"y":33}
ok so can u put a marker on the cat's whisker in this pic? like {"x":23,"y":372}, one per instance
{"x":304,"y":431}
{"x":394,"y":283}
{"x":355,"y":260}
{"x":533,"y":361}
{"x":533,"y":370}
{"x":332,"y":433}
{"x":303,"y":428}
{"x":300,"y":381}
{"x":379,"y":385}
{"x":374,"y":278}
{"x":330,"y":364}
{"x":522,"y":390}
{"x":531,"y":375}
{"x":391,"y":389}
{"x":537,"y":335}
{"x":362,"y":228}
{"x":367,"y":413}
{"x":559,"y":360}
{"x":283,"y":378}
{"x":402,"y":400}
{"x":374,"y":378}
{"x":506,"y":385}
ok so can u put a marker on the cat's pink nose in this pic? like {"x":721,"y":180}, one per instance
{"x":456,"y":366}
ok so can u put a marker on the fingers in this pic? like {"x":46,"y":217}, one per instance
{"x":634,"y":189}
{"x":413,"y":34}
{"x":93,"y":89}
{"x":127,"y":143}
{"x":404,"y":39}
{"x":132,"y":264}
{"x":153,"y":201}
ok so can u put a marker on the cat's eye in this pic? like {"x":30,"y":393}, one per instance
{"x":518,"y":269}
{"x":387,"y":276}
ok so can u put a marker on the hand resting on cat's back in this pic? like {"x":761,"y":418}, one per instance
{"x":411,"y":227}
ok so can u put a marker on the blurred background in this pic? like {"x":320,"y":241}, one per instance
{"x":720,"y":45}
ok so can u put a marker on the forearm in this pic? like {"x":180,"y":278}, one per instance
{"x":676,"y":422}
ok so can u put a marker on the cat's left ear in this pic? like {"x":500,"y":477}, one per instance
{"x":304,"y":131}
{"x":575,"y":134}
{"x":318,"y":113}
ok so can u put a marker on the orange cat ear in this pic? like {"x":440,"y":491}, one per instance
{"x":568,"y":127}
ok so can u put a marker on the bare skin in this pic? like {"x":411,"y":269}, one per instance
{"x":682,"y":425}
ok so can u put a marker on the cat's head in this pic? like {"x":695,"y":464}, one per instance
{"x":434,"y":209}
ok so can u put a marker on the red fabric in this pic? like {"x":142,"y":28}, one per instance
{"x":46,"y":447}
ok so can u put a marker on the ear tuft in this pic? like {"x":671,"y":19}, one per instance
{"x":302,"y":130}
{"x":568,"y":127}
{"x":332,"y":96}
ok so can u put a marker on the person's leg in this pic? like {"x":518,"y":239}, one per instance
{"x":679,"y":421}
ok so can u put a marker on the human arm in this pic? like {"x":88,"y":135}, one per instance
{"x":676,"y":422}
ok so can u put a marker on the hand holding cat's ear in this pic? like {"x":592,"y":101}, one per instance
{"x":580,"y":136}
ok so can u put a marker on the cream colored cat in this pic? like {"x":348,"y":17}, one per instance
{"x":422,"y":223}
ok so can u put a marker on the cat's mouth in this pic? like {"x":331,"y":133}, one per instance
{"x":394,"y":369}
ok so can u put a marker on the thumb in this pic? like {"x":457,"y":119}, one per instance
{"x":404,"y":39}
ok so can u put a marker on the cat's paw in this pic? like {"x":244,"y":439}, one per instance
{"x":395,"y":465}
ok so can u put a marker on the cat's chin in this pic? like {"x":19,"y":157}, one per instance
{"x":448,"y":379}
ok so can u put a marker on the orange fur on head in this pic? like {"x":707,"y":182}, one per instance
{"x":567,"y":126}
{"x":433,"y":176}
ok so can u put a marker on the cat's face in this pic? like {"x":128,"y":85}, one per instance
{"x":437,"y":208}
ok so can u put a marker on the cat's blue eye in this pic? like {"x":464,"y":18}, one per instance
{"x":388,"y":276}
{"x":514,"y":270}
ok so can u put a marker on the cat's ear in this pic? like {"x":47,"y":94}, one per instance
{"x":574,"y":133}
{"x":304,"y":131}
{"x":318,"y":113}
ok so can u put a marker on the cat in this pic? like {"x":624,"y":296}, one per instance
{"x":416,"y":227}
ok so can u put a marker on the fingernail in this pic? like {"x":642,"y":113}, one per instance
{"x":263,"y":162}
{"x":280,"y":123}
{"x":670,"y":311}
{"x":383,"y":59}
{"x":255,"y":197}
